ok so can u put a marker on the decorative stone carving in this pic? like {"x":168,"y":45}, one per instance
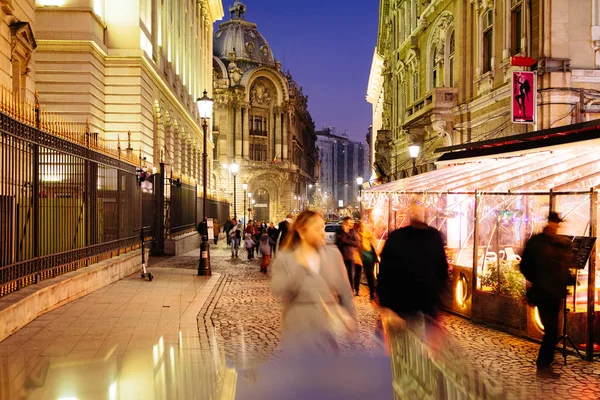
{"x":235,"y":73}
{"x":260,"y":94}
{"x":250,"y":46}
{"x":264,"y":50}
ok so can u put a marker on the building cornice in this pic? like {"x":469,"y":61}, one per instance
{"x":375,"y":85}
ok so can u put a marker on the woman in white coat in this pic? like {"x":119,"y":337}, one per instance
{"x":310,"y":279}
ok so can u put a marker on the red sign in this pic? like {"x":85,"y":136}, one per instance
{"x":524,"y":97}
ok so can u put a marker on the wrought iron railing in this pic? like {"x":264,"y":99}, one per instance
{"x":67,"y":199}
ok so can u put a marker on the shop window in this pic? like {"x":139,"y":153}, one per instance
{"x":488,"y":30}
{"x":516,"y":25}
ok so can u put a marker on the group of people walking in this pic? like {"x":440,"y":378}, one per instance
{"x":317,"y":283}
{"x":257,"y":238}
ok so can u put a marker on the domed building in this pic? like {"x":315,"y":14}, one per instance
{"x":261,"y":123}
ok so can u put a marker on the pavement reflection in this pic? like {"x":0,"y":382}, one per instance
{"x":173,"y":371}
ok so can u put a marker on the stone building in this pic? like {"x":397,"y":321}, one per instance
{"x":342,"y":161}
{"x":133,"y":70}
{"x":18,"y":44}
{"x":442,"y":72}
{"x":261,"y":123}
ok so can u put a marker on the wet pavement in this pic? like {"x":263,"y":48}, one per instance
{"x":184,"y":336}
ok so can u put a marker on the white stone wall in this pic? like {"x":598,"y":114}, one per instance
{"x":16,"y":11}
{"x":131,"y":66}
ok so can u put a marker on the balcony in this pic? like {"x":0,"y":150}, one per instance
{"x":439,"y":100}
{"x":254,"y":132}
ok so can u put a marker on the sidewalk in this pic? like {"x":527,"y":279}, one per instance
{"x":131,"y":340}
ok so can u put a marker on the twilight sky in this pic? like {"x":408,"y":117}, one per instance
{"x":328,"y":47}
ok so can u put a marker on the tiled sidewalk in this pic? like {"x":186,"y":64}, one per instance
{"x":119,"y":333}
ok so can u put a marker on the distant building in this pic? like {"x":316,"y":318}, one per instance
{"x":261,"y":123}
{"x":342,"y":161}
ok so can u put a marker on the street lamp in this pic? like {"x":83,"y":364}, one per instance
{"x":245,"y":187}
{"x":205,"y":105}
{"x":234,"y":168}
{"x":359,"y":182}
{"x":249,"y":202}
{"x":413,"y":150}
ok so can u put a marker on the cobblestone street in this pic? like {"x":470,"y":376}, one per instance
{"x":246,"y":319}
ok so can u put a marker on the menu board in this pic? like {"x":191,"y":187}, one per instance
{"x":582,"y":248}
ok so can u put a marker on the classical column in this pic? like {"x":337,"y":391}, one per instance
{"x":284,"y":136}
{"x":246,"y":131}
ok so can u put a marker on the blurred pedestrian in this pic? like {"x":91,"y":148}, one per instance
{"x":283,"y":228}
{"x":413,"y":272}
{"x":273,"y":234}
{"x":265,"y":251}
{"x":227,"y":227}
{"x":317,"y":298}
{"x":368,"y":255}
{"x":216,"y":230}
{"x":545,"y":264}
{"x":347,"y":242}
{"x":235,"y":236}
{"x":249,"y":245}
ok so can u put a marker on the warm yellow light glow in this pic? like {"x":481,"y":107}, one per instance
{"x":461,"y":292}
{"x":537,"y":319}
{"x":50,"y":3}
{"x":145,"y":44}
{"x":112,"y":391}
{"x":99,"y":8}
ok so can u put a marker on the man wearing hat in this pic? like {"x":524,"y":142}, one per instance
{"x":545,"y":264}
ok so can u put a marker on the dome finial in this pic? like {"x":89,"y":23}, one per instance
{"x":237,"y":10}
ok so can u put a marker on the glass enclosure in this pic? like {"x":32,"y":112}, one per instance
{"x":486,"y":212}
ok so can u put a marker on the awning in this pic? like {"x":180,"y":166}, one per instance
{"x":571,"y":169}
{"x":565,"y":136}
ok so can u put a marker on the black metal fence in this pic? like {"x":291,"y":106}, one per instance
{"x":67,"y":201}
{"x":63,"y":204}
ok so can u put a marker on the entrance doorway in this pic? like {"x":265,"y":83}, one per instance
{"x":261,"y":207}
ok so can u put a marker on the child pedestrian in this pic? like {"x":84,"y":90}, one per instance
{"x":249,"y":246}
{"x":265,"y":250}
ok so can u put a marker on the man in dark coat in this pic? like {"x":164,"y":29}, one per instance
{"x":227,"y":227}
{"x":273,"y":234}
{"x":545,"y":264}
{"x":284,"y":227}
{"x":413,"y":272}
{"x":347,"y":242}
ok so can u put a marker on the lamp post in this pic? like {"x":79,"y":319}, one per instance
{"x":205,"y":105}
{"x":359,"y":182}
{"x":249,"y":202}
{"x":245,"y":187}
{"x":413,"y":150}
{"x":235,"y":168}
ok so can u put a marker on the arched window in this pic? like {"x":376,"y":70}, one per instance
{"x":450,"y":64}
{"x":435,"y":69}
{"x":487,"y":39}
{"x":516,"y":26}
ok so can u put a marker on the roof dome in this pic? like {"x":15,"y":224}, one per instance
{"x":242,"y":38}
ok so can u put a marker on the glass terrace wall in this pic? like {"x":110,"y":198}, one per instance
{"x":486,"y":212}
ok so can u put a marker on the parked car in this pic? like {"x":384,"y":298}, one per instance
{"x":330,"y":232}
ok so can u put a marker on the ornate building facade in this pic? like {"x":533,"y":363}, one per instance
{"x":132,"y":70}
{"x":261,"y":123}
{"x":17,"y":48}
{"x":442,"y":72}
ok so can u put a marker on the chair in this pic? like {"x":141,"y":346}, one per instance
{"x":511,"y":255}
